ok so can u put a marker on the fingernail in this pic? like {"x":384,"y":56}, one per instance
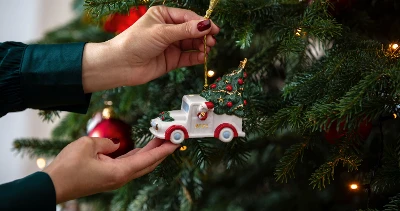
{"x":204,"y":25}
{"x":115,"y":140}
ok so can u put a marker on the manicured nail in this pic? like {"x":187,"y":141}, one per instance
{"x":115,"y":140}
{"x":204,"y":25}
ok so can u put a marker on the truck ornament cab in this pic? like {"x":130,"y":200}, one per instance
{"x":196,"y":119}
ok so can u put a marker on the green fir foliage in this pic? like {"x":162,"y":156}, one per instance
{"x":311,"y":64}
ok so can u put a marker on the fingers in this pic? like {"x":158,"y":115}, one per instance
{"x":148,"y":169}
{"x":175,"y":15}
{"x":191,"y":58}
{"x":197,"y":44}
{"x":156,"y":142}
{"x":187,"y":30}
{"x":104,"y":145}
{"x":130,"y":153}
{"x":139,"y":161}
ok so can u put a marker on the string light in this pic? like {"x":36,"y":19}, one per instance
{"x":106,"y":113}
{"x":298,"y":32}
{"x":354,"y":186}
{"x":393,"y":50}
{"x":394,"y":116}
{"x":41,"y":163}
{"x":210,"y":73}
{"x":183,"y":148}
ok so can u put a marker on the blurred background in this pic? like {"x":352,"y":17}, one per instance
{"x":26,"y":21}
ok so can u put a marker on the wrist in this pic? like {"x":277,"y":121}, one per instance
{"x":101,"y":68}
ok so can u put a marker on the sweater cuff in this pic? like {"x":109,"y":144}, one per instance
{"x":51,"y":77}
{"x":34,"y":192}
{"x":10,"y":88}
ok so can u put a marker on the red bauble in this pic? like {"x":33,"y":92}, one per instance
{"x":218,"y":79}
{"x":229,"y":87}
{"x":244,"y":75}
{"x":245,"y":102}
{"x":118,"y":23}
{"x":240,"y":81}
{"x":333,"y":135}
{"x":114,"y":129}
{"x":213,"y":86}
{"x":364,"y":129}
{"x":229,"y":104}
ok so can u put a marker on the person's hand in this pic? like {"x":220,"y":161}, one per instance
{"x":82,"y":169}
{"x":160,"y":41}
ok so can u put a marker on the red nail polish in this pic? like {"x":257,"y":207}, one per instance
{"x":115,"y":140}
{"x":204,"y":25}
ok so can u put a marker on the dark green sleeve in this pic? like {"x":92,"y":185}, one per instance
{"x":34,"y":192}
{"x":45,"y":77}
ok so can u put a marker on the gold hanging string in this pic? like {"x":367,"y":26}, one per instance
{"x":213,"y":4}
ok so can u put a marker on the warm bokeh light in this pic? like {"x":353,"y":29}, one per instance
{"x":41,"y":163}
{"x":394,"y":116}
{"x":106,"y":113}
{"x":395,"y":46}
{"x":354,"y":186}
{"x":210,"y":73}
{"x":183,"y":148}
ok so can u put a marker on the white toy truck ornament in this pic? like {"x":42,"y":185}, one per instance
{"x":196,"y":119}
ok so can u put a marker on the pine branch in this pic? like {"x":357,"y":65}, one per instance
{"x":394,"y":204}
{"x":201,"y":151}
{"x":49,"y":116}
{"x":285,"y":167}
{"x":236,"y":153}
{"x":145,"y":198}
{"x":325,"y":173}
{"x":123,"y":197}
{"x":101,"y":8}
{"x":39,"y":147}
{"x":388,"y":177}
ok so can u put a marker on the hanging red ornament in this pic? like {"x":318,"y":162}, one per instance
{"x":213,"y":86}
{"x":229,"y":104}
{"x":240,"y":81}
{"x":218,"y":79}
{"x":229,"y":87}
{"x":245,"y":102}
{"x":244,"y":75}
{"x":364,"y":129}
{"x":114,"y":129}
{"x":334,"y":133}
{"x":117,"y":23}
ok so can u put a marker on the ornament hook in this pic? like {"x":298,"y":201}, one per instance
{"x":213,"y":4}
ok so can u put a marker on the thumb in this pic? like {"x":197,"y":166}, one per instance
{"x":187,"y":30}
{"x":105,"y":145}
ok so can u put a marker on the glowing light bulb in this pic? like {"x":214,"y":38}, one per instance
{"x":395,"y":46}
{"x":394,"y":116}
{"x":106,"y":113}
{"x":41,"y":163}
{"x":183,"y":148}
{"x":354,"y":186}
{"x":210,"y":73}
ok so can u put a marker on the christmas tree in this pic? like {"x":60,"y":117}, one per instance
{"x":322,"y":100}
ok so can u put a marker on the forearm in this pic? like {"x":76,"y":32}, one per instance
{"x":101,"y":69}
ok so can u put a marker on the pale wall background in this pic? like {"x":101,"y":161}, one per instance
{"x":25,"y":21}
